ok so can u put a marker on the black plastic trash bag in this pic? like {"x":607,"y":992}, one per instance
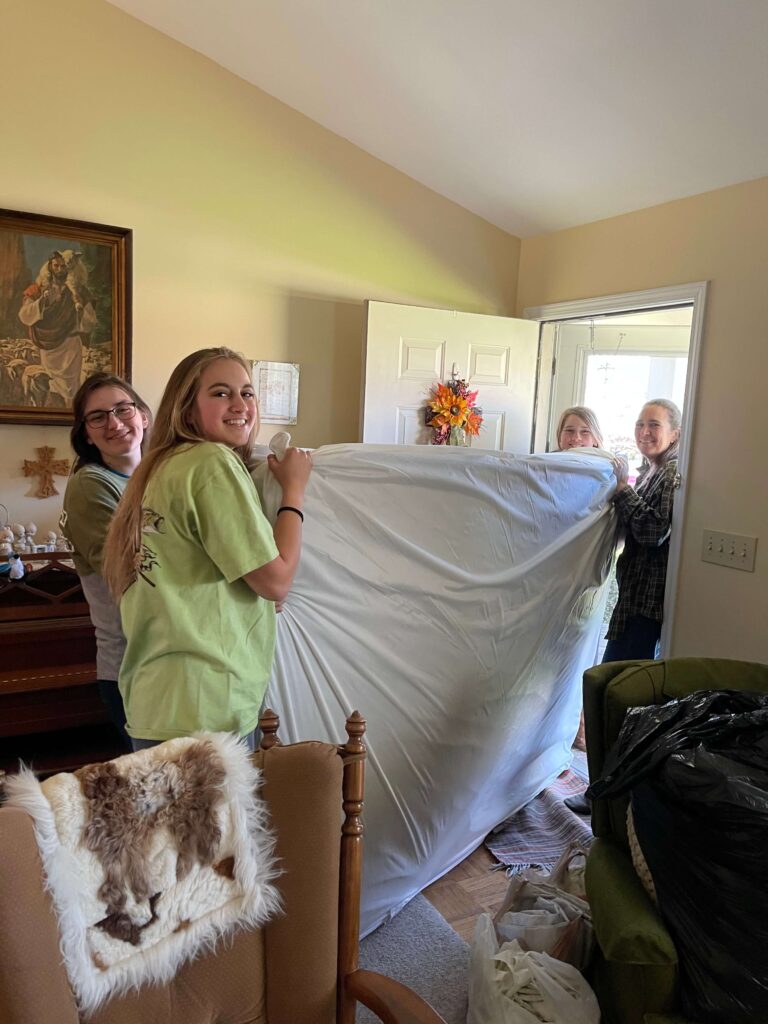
{"x":697,"y":769}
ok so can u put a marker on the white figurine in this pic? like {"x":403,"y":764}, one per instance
{"x":31,"y":530}
{"x":62,"y":544}
{"x":50,"y":538}
{"x":6,"y":535}
{"x":6,"y":548}
{"x":280,"y":441}
{"x":17,"y":567}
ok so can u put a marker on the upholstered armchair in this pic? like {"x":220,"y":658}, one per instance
{"x":635,"y":974}
{"x":301,"y":968}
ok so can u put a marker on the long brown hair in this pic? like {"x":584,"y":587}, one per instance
{"x":675,"y":418}
{"x":85,"y":451}
{"x":175,"y":424}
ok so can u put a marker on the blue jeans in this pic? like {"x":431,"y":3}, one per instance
{"x":113,"y":702}
{"x":638,"y":642}
{"x":144,"y":744}
{"x":252,"y":740}
{"x":249,"y":740}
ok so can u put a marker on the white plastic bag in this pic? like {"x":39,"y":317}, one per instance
{"x":542,"y":915}
{"x":509,"y":985}
{"x":569,"y":872}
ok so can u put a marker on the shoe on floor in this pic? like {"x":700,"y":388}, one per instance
{"x":578,"y":804}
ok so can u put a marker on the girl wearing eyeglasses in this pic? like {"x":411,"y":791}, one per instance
{"x":110,"y":430}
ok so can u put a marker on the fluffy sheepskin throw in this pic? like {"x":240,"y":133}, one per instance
{"x":151,"y":858}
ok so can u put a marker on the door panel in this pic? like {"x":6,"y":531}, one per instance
{"x":491,"y":436}
{"x":410,"y":423}
{"x":410,"y":348}
{"x":421,"y":358}
{"x":488,"y":365}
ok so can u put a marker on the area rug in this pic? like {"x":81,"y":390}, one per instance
{"x":420,"y":949}
{"x":539,"y":833}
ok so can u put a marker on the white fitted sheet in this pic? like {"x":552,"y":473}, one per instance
{"x":454,"y":598}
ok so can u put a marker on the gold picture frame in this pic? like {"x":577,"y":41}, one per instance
{"x":65,"y":311}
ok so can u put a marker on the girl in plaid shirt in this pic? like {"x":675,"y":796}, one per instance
{"x":646,"y":514}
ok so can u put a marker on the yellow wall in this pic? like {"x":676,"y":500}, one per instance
{"x":253,"y":226}
{"x":721,"y":237}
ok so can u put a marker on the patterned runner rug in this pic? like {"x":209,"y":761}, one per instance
{"x":541,"y":831}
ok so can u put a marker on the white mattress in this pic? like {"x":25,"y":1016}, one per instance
{"x":454,"y":598}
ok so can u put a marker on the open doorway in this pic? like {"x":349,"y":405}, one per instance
{"x":614,"y":353}
{"x":614,"y":364}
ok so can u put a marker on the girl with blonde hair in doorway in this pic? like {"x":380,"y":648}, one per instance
{"x":578,"y":428}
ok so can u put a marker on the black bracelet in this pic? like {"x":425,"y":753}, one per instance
{"x":290,"y":508}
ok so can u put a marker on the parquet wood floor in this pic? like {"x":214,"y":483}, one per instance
{"x":467,"y":891}
{"x":472,"y":888}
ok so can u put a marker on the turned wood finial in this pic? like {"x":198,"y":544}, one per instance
{"x":353,"y":753}
{"x":269,"y":723}
{"x":354,"y":776}
{"x":355,"y":731}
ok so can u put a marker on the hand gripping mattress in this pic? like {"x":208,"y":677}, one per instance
{"x":454,"y":598}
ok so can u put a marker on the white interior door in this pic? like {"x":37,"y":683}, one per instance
{"x":410,"y":348}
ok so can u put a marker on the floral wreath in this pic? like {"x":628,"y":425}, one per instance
{"x":451,"y":412}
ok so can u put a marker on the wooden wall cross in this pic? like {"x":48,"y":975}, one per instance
{"x":45,"y":467}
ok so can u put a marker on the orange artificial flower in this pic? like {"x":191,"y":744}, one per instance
{"x":449,"y":408}
{"x":452,"y":407}
{"x":474,"y":421}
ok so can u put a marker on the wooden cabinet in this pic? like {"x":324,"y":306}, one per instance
{"x":47,"y":650}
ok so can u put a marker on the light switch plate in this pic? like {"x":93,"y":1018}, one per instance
{"x":729,"y":549}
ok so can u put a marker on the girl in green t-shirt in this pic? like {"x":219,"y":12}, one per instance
{"x":196,"y":565}
{"x":109,"y":432}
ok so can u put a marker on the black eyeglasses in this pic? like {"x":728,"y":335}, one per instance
{"x":99,"y":417}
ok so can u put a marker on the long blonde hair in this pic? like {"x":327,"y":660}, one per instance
{"x":586,"y":415}
{"x":175,"y":424}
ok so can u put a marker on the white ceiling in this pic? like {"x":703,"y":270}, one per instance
{"x":535,"y":114}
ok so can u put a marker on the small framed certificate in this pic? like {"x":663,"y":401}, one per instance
{"x":277,"y":389}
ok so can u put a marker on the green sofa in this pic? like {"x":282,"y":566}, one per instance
{"x":635,"y":972}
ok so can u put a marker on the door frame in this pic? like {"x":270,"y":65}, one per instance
{"x":693,"y":294}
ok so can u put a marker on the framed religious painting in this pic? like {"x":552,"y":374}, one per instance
{"x":65,"y":312}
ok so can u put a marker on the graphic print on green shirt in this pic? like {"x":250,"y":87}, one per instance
{"x":151,"y":522}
